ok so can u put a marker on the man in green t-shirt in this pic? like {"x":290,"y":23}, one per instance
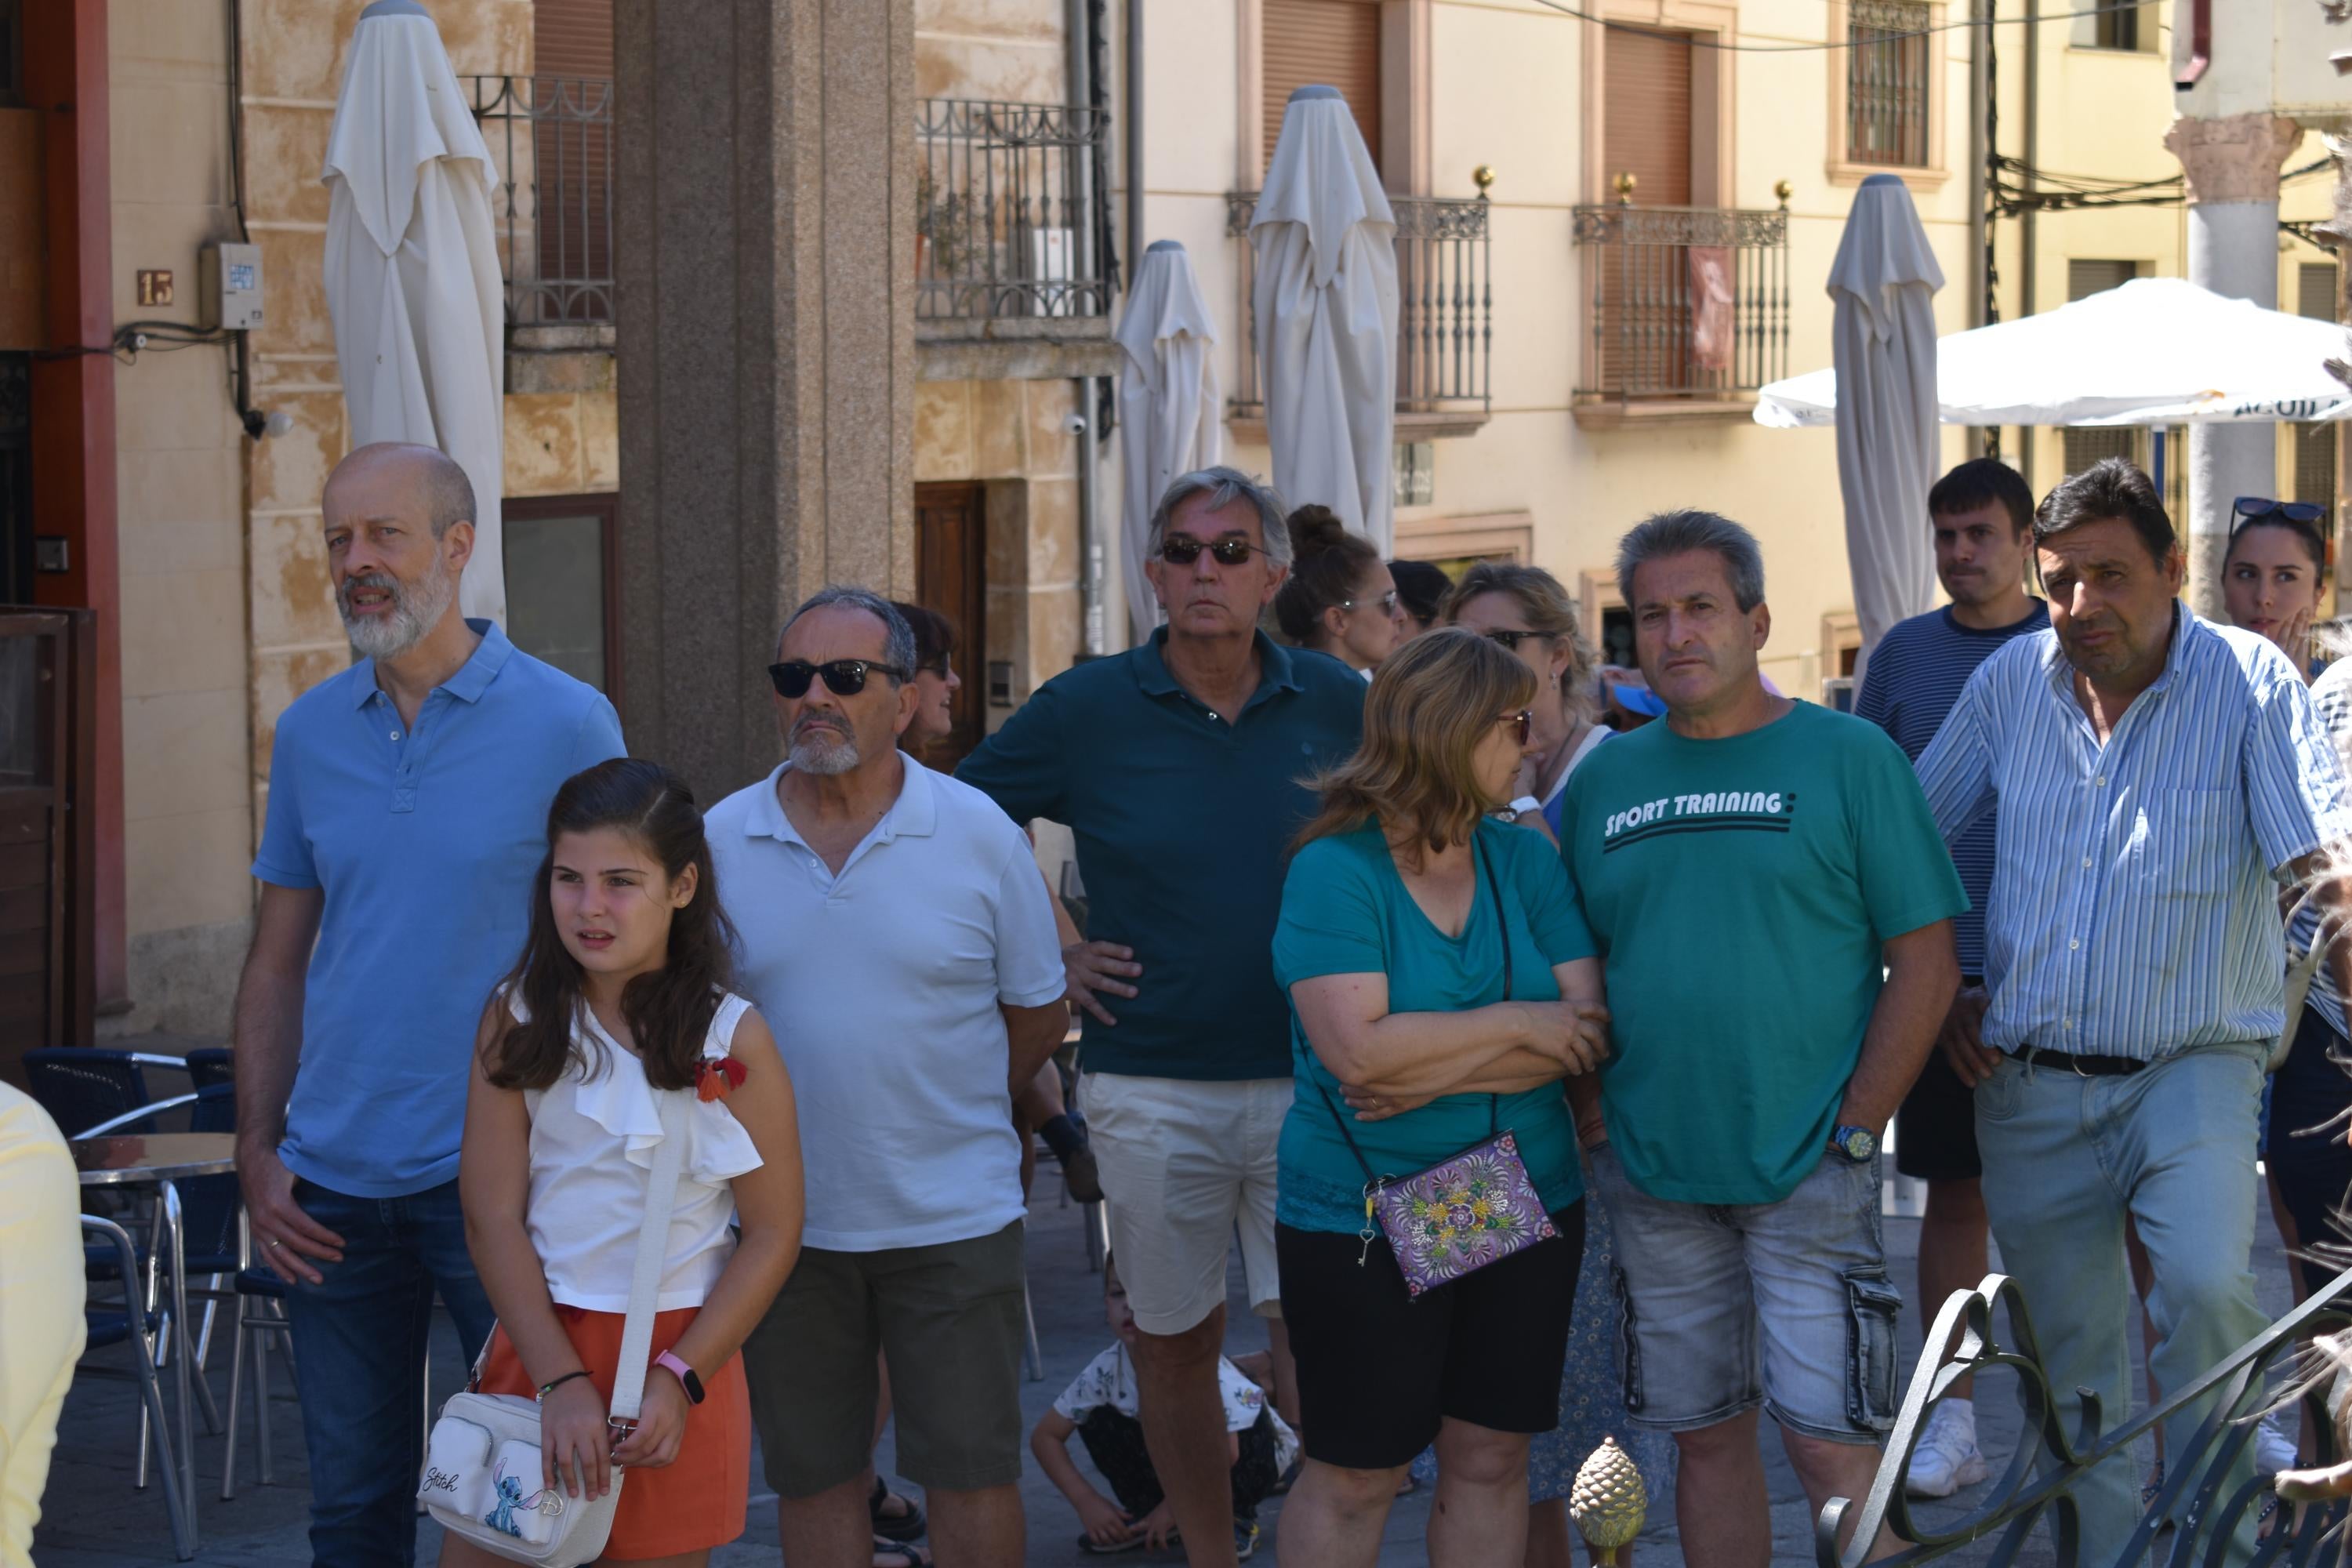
{"x":1747,"y":866}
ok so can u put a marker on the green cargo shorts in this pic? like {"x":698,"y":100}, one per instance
{"x":948,"y":1316}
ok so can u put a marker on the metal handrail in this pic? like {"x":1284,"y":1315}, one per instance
{"x":1445,"y":302}
{"x":550,"y":138}
{"x":1653,"y":335}
{"x":2050,"y":1461}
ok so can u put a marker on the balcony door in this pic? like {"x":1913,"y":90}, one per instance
{"x":1321,"y":42}
{"x":951,"y":577}
{"x":1646,"y":339}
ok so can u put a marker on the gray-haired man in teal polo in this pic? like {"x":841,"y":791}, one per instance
{"x":1178,"y":765}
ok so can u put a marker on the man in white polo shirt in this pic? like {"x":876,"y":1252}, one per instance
{"x":896,"y":935}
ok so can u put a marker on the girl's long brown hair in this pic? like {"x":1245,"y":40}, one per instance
{"x":669,"y":1010}
{"x":1433,"y":703}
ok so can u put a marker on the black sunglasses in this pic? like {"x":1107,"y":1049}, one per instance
{"x":1511,"y":639}
{"x":1181,"y":550}
{"x":842,"y":677}
{"x":2253,"y":509}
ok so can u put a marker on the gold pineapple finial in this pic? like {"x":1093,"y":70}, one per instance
{"x":1608,"y":1503}
{"x":1625,"y":183}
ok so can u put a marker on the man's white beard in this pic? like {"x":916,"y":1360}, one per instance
{"x":415,"y":612}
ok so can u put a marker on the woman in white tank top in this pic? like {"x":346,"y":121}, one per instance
{"x":620,"y":997}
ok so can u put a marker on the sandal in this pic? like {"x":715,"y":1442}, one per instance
{"x":903,"y":1523}
{"x":899,"y":1554}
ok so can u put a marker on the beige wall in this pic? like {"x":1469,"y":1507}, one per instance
{"x":1002,"y":50}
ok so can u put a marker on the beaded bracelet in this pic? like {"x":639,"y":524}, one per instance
{"x":546,"y":1388}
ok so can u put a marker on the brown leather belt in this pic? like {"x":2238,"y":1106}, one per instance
{"x":2087,"y":1067}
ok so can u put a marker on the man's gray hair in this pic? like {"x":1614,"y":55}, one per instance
{"x":1684,"y":529}
{"x":1224,"y":486}
{"x":899,"y":637}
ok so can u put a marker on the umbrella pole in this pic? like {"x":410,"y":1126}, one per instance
{"x":2157,"y":451}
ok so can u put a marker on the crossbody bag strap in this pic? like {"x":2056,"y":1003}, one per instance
{"x":1503,"y":930}
{"x":653,"y":1252}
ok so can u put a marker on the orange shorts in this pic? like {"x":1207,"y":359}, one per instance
{"x":697,"y":1500}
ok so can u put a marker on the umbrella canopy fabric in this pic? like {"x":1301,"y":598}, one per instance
{"x":411,"y":268}
{"x":1325,"y":299}
{"x":2156,"y":350}
{"x":1884,"y":282}
{"x":1167,"y":403}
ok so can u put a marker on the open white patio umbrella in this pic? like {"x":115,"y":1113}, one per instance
{"x":1168,"y":404}
{"x":2156,"y":350}
{"x":1325,"y":303}
{"x":412,"y":269}
{"x":1883,"y":283}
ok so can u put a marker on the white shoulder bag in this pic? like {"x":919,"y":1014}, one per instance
{"x":483,"y":1462}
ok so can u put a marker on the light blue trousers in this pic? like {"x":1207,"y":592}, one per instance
{"x":2066,"y":1158}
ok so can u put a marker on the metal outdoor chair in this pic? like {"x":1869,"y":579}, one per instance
{"x":82,"y":1087}
{"x":209,"y":1065}
{"x":135,"y":1324}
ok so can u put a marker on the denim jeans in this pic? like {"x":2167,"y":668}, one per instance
{"x":360,"y":1340}
{"x":2066,"y":1158}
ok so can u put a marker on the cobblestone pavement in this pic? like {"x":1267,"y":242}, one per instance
{"x":93,"y":1518}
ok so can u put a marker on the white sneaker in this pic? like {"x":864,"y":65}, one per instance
{"x":1947,"y":1458}
{"x":2274,"y":1444}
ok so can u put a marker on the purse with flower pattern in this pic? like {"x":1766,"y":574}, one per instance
{"x":1466,"y":1211}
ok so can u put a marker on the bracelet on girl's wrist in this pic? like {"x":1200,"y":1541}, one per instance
{"x":546,"y":1388}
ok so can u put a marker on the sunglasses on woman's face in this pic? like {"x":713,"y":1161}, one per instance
{"x":1509,"y":638}
{"x":1180,"y":549}
{"x":1386,"y":604}
{"x":842,"y":677}
{"x":1523,"y":723}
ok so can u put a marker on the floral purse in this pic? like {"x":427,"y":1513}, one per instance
{"x":1466,"y":1211}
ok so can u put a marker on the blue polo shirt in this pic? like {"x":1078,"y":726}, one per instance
{"x":426,"y":841}
{"x":1183,"y":825}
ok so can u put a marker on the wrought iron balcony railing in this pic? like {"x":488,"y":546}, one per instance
{"x":551,"y":139}
{"x":1445,"y":304}
{"x":1686,"y":302}
{"x":1009,"y":212}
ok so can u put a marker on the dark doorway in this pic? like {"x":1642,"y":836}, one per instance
{"x":951,"y":577}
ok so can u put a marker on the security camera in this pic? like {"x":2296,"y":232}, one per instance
{"x":1076,"y":424}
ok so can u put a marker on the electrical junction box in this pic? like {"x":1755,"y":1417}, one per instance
{"x":229,"y":283}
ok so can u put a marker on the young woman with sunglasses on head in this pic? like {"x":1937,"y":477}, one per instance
{"x":2274,"y":573}
{"x":1338,"y":599}
{"x":620,"y":994}
{"x":1443,"y":983}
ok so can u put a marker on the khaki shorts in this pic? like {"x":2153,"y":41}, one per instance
{"x":1185,"y":1164}
{"x":950,"y":1318}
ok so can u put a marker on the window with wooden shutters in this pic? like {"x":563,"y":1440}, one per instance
{"x":1322,"y":43}
{"x":2084,"y":446}
{"x":1886,"y":82}
{"x":1645,"y":133}
{"x":571,"y":149}
{"x":2315,"y":444}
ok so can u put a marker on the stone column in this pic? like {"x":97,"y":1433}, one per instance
{"x":764,"y":248}
{"x":2232,"y":168}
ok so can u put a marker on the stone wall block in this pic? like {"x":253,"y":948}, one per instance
{"x":1000,"y":429}
{"x":290,"y":471}
{"x":294,"y":48}
{"x":295,"y":318}
{"x":293,"y":599}
{"x":1053,"y":449}
{"x":1053,"y":553}
{"x":943,"y":430}
{"x":542,"y":445}
{"x":285,"y":148}
{"x":600,"y":440}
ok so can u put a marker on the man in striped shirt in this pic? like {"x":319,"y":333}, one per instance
{"x":1982,"y":514}
{"x":2153,"y":773}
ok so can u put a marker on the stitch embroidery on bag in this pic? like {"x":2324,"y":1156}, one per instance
{"x":510,"y":1498}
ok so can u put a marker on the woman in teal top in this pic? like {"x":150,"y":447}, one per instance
{"x":1392,"y":943}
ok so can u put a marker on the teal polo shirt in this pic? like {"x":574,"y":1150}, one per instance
{"x":426,"y":840}
{"x":1183,"y":826}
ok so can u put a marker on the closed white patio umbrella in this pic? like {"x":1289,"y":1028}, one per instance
{"x":1168,"y":404}
{"x":1883,"y":283}
{"x":411,"y":268}
{"x":1325,"y":303}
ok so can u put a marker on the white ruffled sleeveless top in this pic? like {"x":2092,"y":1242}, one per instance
{"x":592,"y":1145}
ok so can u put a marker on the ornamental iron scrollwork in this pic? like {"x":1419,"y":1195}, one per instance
{"x":551,"y":141}
{"x":1008,"y":214}
{"x":2194,"y":1512}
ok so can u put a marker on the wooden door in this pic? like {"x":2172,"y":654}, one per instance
{"x":47,"y":855}
{"x":951,"y":577}
{"x":1321,"y":42}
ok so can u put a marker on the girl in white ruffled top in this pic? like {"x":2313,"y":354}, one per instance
{"x":622,"y":992}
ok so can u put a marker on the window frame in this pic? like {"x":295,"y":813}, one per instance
{"x":1841,"y":167}
{"x":606,"y":506}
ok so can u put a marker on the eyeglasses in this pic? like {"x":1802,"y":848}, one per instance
{"x":1525,"y":721}
{"x":2253,"y":509}
{"x":842,"y":677}
{"x":1511,"y":639}
{"x":1179,"y":549}
{"x":1386,"y":603}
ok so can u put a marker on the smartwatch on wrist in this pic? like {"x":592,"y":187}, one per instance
{"x":684,"y":1375}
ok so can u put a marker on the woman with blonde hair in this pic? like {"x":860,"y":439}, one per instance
{"x":1442,"y":984}
{"x":1526,"y":610}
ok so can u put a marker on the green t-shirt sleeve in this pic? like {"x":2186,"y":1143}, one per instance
{"x":1021,"y":767}
{"x":1332,"y":920}
{"x":1547,"y":898}
{"x":1907,"y":877}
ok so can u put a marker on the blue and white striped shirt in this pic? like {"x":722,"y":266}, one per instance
{"x":2133,"y":909}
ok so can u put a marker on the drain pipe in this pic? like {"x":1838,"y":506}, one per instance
{"x":1132,"y":114}
{"x":1077,"y":32}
